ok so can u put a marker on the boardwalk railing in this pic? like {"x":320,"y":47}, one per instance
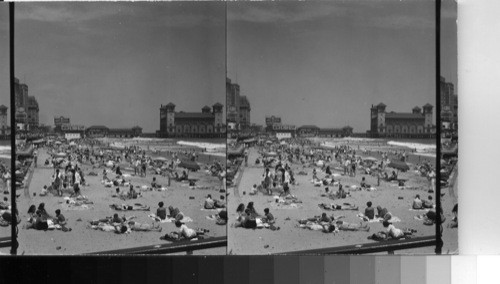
{"x":387,"y":246}
{"x":187,"y":247}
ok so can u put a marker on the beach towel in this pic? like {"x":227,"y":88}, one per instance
{"x":286,"y":206}
{"x":169,"y":219}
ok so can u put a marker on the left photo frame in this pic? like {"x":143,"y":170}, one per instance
{"x":120,"y":128}
{"x":8,"y":194}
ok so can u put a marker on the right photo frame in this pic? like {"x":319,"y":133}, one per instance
{"x":333,"y":127}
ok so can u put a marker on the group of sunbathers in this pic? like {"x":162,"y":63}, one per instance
{"x":122,"y":225}
{"x":39,"y":219}
{"x":249,"y":218}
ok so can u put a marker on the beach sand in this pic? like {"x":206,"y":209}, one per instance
{"x":83,"y":239}
{"x":291,"y":238}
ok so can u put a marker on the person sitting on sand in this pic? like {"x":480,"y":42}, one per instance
{"x":132,"y":194}
{"x":396,"y":233}
{"x":268,"y":217}
{"x":369,"y":211}
{"x":221,"y":218}
{"x":175,"y":213}
{"x":324,"y":218}
{"x":393,"y":176}
{"x":240,"y":210}
{"x":154,"y":184}
{"x":253,"y":190}
{"x":161,"y":212}
{"x":341,"y":192}
{"x":209,"y":202}
{"x":364,"y":184}
{"x":383,"y":213}
{"x":32,"y":213}
{"x":417,"y":203}
{"x":428,"y":204}
{"x":61,"y":221}
{"x":251,"y":210}
{"x":5,"y":205}
{"x":41,"y":211}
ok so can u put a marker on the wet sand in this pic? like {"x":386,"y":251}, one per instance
{"x":83,"y":239}
{"x":291,"y":238}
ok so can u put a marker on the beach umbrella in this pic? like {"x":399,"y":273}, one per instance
{"x":61,"y":154}
{"x":399,"y":165}
{"x":189,"y":165}
{"x":59,"y":159}
{"x":269,"y":142}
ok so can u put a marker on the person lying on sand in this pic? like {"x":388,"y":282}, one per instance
{"x":320,"y":219}
{"x":126,"y":207}
{"x":143,"y":227}
{"x":4,"y":205}
{"x":345,"y":206}
{"x":345,"y":226}
{"x":396,"y":233}
{"x":454,"y":221}
{"x":187,"y":233}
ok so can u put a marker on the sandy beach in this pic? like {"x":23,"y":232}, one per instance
{"x":83,"y":239}
{"x":291,"y":238}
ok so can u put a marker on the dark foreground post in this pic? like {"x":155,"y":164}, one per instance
{"x":12,"y":133}
{"x":439,"y":241}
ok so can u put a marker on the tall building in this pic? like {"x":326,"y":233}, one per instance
{"x":205,"y":124}
{"x":238,"y":107}
{"x":415,"y":124}
{"x":27,"y":110}
{"x":4,"y":127}
{"x":33,"y":110}
{"x":449,"y":105}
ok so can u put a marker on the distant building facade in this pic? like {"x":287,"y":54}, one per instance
{"x":238,"y":107}
{"x":61,"y":121}
{"x":97,"y":131}
{"x":205,"y":124}
{"x":315,"y":131}
{"x":415,"y":124}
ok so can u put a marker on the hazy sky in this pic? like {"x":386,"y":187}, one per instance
{"x":326,"y":63}
{"x":113,"y":64}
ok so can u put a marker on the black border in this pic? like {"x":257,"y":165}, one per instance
{"x":439,"y":224}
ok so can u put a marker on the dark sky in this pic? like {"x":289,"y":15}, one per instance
{"x":326,"y":63}
{"x":113,"y":64}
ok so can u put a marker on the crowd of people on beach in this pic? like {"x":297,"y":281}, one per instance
{"x":73,"y":162}
{"x":283,"y":160}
